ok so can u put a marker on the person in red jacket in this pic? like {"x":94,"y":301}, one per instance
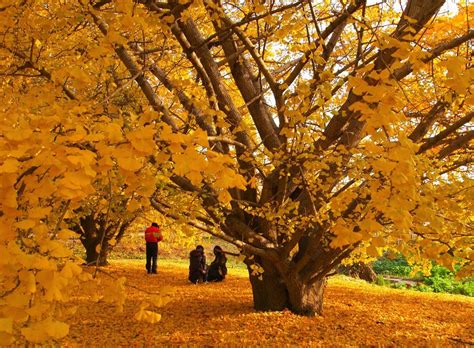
{"x":152,"y":237}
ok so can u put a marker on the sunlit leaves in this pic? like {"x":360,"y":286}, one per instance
{"x":142,"y":140}
{"x":6,"y":331}
{"x":147,"y":316}
{"x":43,"y":330}
{"x":115,"y":293}
{"x":81,"y":135}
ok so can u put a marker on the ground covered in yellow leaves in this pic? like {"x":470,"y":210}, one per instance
{"x":355,"y":313}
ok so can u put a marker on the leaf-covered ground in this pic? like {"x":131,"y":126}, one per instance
{"x":355,"y":313}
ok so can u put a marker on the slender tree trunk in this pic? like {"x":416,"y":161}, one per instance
{"x":362,"y":271}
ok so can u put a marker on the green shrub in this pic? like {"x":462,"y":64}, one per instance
{"x":398,"y":285}
{"x":441,"y":272}
{"x":464,"y":288}
{"x":440,"y":280}
{"x":397,"y":267}
{"x":439,"y":284}
{"x":379,"y":280}
{"x":423,"y":288}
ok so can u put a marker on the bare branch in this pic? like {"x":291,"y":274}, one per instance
{"x":324,"y":35}
{"x":226,"y":140}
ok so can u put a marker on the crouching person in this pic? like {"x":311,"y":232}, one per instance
{"x":197,"y":265}
{"x":217,"y":269}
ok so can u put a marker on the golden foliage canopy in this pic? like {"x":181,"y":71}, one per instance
{"x":299,"y":131}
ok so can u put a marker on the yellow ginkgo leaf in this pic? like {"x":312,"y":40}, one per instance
{"x":9,"y":166}
{"x":129,"y":163}
{"x":27,"y":281}
{"x":6,"y":325}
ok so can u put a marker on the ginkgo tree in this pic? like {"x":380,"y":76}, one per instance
{"x":100,"y":230}
{"x":66,"y":149}
{"x":341,"y":127}
{"x":300,"y":130}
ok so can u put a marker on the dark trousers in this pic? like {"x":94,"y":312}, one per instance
{"x":197,"y":277}
{"x":151,"y":256}
{"x":214,"y":275}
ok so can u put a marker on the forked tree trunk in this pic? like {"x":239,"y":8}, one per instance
{"x":92,"y":230}
{"x":271,"y":292}
{"x":92,"y":254}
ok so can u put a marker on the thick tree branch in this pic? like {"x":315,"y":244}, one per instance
{"x":225,"y":102}
{"x":346,"y":123}
{"x":134,"y":70}
{"x":245,"y":247}
{"x":226,"y":140}
{"x":250,"y":91}
{"x":192,"y":57}
{"x":185,"y":101}
{"x":427,"y":121}
{"x":247,"y":20}
{"x":436,"y":52}
{"x":431,"y":142}
{"x":456,"y":144}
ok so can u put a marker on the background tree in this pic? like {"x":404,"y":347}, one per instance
{"x":100,"y":230}
{"x":62,"y":138}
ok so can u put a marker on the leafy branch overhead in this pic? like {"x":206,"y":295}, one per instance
{"x":302,"y":132}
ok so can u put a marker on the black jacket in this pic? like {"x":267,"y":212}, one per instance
{"x":197,"y":265}
{"x":218,"y":268}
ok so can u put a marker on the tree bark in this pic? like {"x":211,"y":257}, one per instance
{"x":306,"y":298}
{"x":273,"y":292}
{"x":91,"y":253}
{"x":269,"y":289}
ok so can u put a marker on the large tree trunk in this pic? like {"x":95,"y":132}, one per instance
{"x":92,"y":230}
{"x":272,"y":292}
{"x":269,"y":290}
{"x":306,"y":298}
{"x":91,"y":253}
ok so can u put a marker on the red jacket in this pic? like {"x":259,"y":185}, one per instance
{"x":153,"y":234}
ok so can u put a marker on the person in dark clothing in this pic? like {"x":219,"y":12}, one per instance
{"x":217,"y":269}
{"x":152,"y":237}
{"x":197,"y":265}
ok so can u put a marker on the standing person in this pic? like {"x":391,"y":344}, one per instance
{"x":197,"y":265}
{"x":152,"y":237}
{"x":217,"y":269}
